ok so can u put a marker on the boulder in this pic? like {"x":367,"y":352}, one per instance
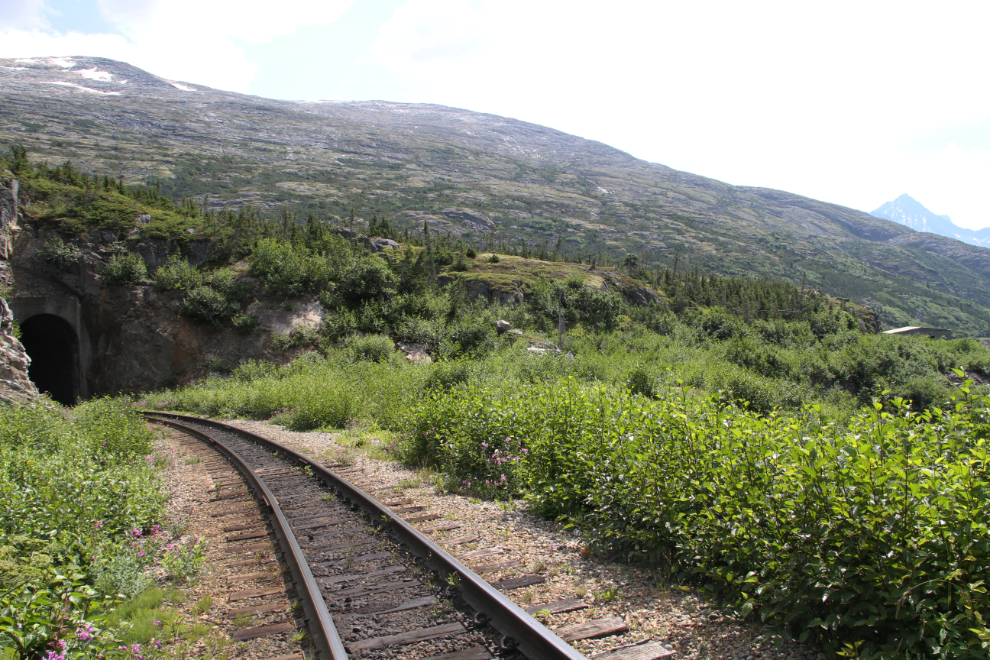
{"x":380,"y":244}
{"x":502,"y":326}
{"x":415,"y":353}
{"x":640,"y":295}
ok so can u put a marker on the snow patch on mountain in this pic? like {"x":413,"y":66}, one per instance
{"x":81,"y":88}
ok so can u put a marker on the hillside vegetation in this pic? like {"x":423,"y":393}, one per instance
{"x":492,"y":181}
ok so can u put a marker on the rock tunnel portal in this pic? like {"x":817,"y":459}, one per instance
{"x":53,"y":346}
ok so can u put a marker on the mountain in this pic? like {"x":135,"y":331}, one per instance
{"x":909,"y":212}
{"x":483,"y":177}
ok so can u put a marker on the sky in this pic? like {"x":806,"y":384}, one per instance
{"x":853,"y":103}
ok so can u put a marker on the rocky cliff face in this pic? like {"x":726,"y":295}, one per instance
{"x":130,"y":338}
{"x":15,"y":386}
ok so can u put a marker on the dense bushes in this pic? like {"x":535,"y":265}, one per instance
{"x":177,"y":275}
{"x":206,"y":304}
{"x":73,"y":492}
{"x":123,"y":269}
{"x":869,"y":540}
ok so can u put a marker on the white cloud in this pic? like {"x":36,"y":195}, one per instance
{"x":23,"y":15}
{"x":813,"y":98}
{"x":252,"y":21}
{"x":188,"y":40}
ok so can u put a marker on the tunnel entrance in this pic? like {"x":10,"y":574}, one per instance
{"x":52,"y":345}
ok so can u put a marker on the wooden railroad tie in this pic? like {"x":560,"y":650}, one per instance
{"x":612,"y":625}
{"x":642,"y":651}
{"x":473,"y":653}
{"x":263,"y":631}
{"x":410,"y":637}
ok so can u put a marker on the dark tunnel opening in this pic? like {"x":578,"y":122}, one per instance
{"x":52,"y":345}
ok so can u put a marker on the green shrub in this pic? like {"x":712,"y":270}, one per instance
{"x":57,"y":251}
{"x":447,"y":374}
{"x":245,"y":323}
{"x":374,"y":348}
{"x":289,"y":270}
{"x":184,"y":563}
{"x":177,"y":275}
{"x":124,"y":269}
{"x":208,"y":305}
{"x":368,"y":278}
{"x":806,"y":525}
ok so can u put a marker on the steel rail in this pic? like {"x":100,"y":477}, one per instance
{"x":325,"y":638}
{"x":519,"y":629}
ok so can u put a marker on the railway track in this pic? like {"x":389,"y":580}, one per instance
{"x":371,"y":585}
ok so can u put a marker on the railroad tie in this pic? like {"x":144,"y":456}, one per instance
{"x":642,"y":651}
{"x":518,"y":582}
{"x":481,"y":553}
{"x":259,"y":609}
{"x":461,"y":540}
{"x":497,"y":566}
{"x":559,"y":606}
{"x":442,"y":527}
{"x":473,"y":653}
{"x":260,"y":575}
{"x":264,"y":631}
{"x":254,"y":593}
{"x":612,"y":625}
{"x":410,"y":637}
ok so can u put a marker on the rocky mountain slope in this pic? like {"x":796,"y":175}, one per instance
{"x":907,"y":211}
{"x":483,"y":177}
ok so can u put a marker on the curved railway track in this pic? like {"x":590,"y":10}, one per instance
{"x":371,"y":585}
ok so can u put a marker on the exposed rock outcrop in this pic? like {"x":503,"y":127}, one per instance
{"x":15,"y":386}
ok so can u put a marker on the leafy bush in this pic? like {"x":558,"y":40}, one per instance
{"x":289,"y":270}
{"x":124,"y":269}
{"x":176,"y":275}
{"x":245,"y":323}
{"x":57,"y":251}
{"x":184,"y":562}
{"x":208,"y":305}
{"x":816,"y":528}
{"x":375,"y":348}
{"x":366,"y":279}
{"x":74,"y":492}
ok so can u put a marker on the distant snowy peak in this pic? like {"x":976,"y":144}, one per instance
{"x":907,"y":211}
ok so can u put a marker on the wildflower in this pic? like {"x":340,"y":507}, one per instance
{"x":98,"y":524}
{"x":84,"y":634}
{"x":156,"y":623}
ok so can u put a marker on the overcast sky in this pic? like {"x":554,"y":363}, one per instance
{"x":847,"y":102}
